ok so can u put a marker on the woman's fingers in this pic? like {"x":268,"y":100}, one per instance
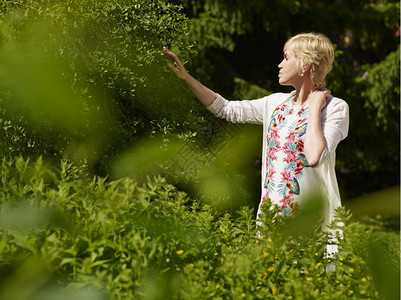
{"x":171,"y":55}
{"x":176,"y":66}
{"x":319,"y":98}
{"x":167,"y":52}
{"x":325,"y":93}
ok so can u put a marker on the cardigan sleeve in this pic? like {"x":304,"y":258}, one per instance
{"x":335,"y":123}
{"x":243,"y":111}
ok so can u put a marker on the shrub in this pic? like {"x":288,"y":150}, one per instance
{"x":64,"y":234}
{"x":84,"y":79}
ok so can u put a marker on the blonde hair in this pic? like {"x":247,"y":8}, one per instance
{"x":316,"y":51}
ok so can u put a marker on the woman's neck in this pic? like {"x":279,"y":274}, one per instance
{"x":302,"y":94}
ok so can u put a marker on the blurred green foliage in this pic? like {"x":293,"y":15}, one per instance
{"x":381,"y":208}
{"x":382,"y":81}
{"x":66,"y":235}
{"x":85,"y":82}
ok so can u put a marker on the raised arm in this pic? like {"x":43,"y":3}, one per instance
{"x":314,"y":142}
{"x":327,"y":126}
{"x":205,"y":95}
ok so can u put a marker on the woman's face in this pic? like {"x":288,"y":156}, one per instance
{"x":288,"y":69}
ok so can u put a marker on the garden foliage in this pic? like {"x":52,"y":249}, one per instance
{"x":93,"y":76}
{"x":64,"y":235}
{"x":85,"y":83}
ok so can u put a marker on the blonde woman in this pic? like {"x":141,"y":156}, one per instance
{"x":301,"y":129}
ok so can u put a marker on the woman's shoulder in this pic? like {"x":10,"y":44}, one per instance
{"x":336,"y":108}
{"x":337,"y":103}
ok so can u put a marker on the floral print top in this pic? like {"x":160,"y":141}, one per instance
{"x":285,"y":160}
{"x":285,"y":176}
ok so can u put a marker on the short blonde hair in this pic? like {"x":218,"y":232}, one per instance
{"x":316,"y":51}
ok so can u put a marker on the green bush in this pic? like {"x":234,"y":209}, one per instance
{"x":64,"y":234}
{"x":85,"y":79}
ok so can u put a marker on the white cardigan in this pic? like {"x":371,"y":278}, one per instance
{"x":335,"y":122}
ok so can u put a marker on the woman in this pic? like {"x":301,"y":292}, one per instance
{"x":301,"y":129}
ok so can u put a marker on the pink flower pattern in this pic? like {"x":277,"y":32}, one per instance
{"x":285,"y":159}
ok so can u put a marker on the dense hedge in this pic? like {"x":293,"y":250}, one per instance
{"x":64,"y":234}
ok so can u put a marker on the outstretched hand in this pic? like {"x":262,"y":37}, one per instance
{"x":205,"y":95}
{"x":176,"y":65}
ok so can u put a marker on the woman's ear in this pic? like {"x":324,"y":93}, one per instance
{"x":305,"y":68}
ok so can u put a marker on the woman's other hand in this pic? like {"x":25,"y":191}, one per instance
{"x":176,"y":65}
{"x":314,"y":141}
{"x":318,"y":99}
